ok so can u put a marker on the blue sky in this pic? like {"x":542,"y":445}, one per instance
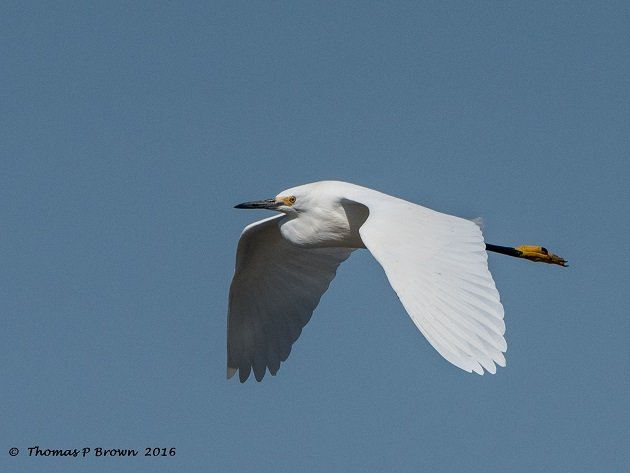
{"x":129,"y":131}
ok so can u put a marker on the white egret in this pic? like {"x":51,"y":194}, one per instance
{"x":436,"y":263}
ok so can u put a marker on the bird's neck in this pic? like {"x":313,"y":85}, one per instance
{"x":320,"y":228}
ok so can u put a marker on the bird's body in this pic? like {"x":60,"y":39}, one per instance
{"x":436,"y":263}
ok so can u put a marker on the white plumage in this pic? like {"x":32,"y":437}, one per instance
{"x":436,"y":263}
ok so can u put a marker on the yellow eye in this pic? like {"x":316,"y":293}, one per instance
{"x":291,"y":200}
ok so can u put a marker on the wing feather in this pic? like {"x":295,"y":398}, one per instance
{"x":437,"y":264}
{"x":274,"y":291}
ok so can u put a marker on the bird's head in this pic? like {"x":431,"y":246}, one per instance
{"x":285,"y":202}
{"x":298,"y":200}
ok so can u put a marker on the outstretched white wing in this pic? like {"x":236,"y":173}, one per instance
{"x":437,"y":264}
{"x":276,"y":287}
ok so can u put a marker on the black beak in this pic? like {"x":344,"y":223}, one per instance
{"x":270,"y":204}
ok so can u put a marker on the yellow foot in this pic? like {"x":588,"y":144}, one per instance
{"x":540,"y":254}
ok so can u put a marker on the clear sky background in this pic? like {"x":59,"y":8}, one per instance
{"x":130,"y":130}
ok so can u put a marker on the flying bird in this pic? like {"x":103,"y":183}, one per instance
{"x":436,"y":263}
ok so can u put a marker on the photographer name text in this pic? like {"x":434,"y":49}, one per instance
{"x":37,"y":451}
